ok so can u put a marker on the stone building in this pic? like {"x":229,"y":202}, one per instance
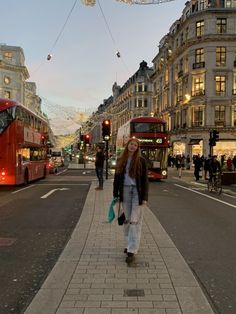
{"x":13,"y":84}
{"x":194,"y":80}
{"x":133,"y":99}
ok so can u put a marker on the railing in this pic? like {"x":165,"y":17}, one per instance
{"x":200,"y":92}
{"x":198,"y":65}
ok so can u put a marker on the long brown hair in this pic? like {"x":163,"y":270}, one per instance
{"x":134,"y":169}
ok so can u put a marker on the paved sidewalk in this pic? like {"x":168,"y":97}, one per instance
{"x":91,"y":275}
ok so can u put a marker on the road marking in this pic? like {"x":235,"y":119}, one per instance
{"x":52,"y":191}
{"x":63,"y":184}
{"x":28,"y":187}
{"x":208,"y":196}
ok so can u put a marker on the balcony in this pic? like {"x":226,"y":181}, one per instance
{"x":198,"y":65}
{"x":200,"y":92}
{"x":197,"y":124}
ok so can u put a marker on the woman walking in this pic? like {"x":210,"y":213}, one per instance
{"x":131,"y":187}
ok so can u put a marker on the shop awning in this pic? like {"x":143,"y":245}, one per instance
{"x":194,"y":141}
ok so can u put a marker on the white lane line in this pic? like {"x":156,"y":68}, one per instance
{"x":52,"y":191}
{"x":28,"y":187}
{"x":59,"y":183}
{"x":208,"y":196}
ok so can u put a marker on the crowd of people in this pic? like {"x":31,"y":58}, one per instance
{"x":203,"y":166}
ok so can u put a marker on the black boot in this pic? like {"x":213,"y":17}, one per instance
{"x":130,"y":258}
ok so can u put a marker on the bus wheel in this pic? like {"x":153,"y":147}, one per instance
{"x":26,"y":177}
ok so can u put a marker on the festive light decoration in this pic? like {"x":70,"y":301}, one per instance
{"x":93,"y":2}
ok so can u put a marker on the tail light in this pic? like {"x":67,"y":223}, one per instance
{"x":3,"y":175}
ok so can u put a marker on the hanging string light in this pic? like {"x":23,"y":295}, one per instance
{"x":93,"y":2}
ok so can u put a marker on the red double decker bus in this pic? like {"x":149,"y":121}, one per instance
{"x":23,"y":144}
{"x":154,"y":143}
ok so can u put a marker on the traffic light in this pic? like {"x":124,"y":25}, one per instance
{"x":81,"y":137}
{"x":86,"y":139}
{"x":211,"y":140}
{"x":106,"y":129}
{"x":215,"y":136}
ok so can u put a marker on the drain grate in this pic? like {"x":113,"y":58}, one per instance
{"x":7,"y":241}
{"x":134,"y":293}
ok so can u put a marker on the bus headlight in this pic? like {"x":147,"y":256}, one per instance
{"x":164,"y":172}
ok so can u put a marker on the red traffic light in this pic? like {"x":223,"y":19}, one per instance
{"x":106,"y":122}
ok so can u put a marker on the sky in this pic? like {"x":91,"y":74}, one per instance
{"x":84,"y":65}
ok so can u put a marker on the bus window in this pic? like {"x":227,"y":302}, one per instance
{"x":6,"y":117}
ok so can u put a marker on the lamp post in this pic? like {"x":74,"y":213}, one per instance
{"x":106,"y":138}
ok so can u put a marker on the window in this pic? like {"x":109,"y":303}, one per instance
{"x":186,"y":33}
{"x":139,"y":87}
{"x":234,"y":84}
{"x":198,"y":86}
{"x":199,"y":55}
{"x":234,"y":116}
{"x":220,"y":115}
{"x":221,"y":26}
{"x":197,"y":116}
{"x":139,"y":103}
{"x":220,"y":85}
{"x":8,"y":55}
{"x":7,"y":94}
{"x":201,"y":5}
{"x":220,"y":56}
{"x":200,"y":28}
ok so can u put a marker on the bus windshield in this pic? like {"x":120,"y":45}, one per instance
{"x":147,"y":127}
{"x":6,"y":117}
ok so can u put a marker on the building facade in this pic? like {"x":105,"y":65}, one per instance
{"x":194,"y":80}
{"x":13,"y":84}
{"x":133,"y":99}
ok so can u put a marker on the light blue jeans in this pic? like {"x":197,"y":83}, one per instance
{"x":134,"y":217}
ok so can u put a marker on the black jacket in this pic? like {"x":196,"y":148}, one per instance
{"x":141,"y":183}
{"x":99,"y":161}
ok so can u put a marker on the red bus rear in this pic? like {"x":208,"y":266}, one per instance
{"x":23,"y":144}
{"x":154,"y":143}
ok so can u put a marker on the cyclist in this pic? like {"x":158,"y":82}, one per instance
{"x":214,"y":168}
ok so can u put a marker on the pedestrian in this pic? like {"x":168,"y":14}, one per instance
{"x":188,"y":161}
{"x":206,"y":167}
{"x":197,"y":167}
{"x":131,"y":188}
{"x":229,"y":163}
{"x":99,"y":164}
{"x":178,"y":165}
{"x":234,"y":162}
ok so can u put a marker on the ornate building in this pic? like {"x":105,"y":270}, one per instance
{"x":133,"y":99}
{"x":194,"y":80}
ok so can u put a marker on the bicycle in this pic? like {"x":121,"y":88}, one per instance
{"x":214,"y":183}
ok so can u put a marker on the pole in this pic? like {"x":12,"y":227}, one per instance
{"x":106,"y":159}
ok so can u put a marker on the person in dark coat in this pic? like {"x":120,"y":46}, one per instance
{"x":99,"y":164}
{"x":131,"y":188}
{"x":197,"y":167}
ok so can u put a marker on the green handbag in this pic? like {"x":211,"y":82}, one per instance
{"x":111,"y":213}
